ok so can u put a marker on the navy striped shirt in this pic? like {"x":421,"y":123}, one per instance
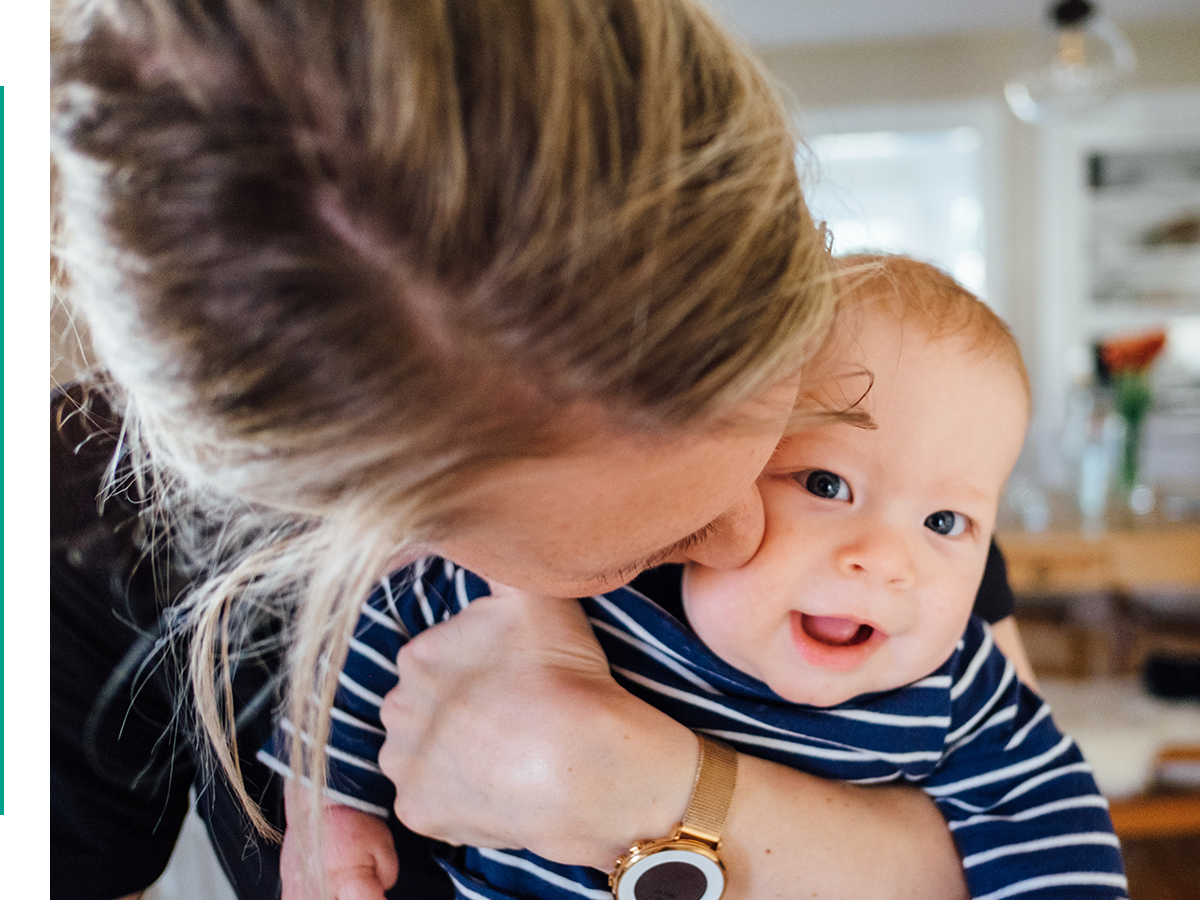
{"x":1019,"y":798}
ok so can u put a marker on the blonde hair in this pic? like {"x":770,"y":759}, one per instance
{"x":341,"y":258}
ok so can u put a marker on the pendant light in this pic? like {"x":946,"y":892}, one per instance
{"x":1073,"y":67}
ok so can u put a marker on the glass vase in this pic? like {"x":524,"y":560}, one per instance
{"x":1132,"y":399}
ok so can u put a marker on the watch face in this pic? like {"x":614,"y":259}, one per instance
{"x":671,"y":874}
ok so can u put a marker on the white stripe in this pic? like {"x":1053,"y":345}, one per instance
{"x":843,"y":751}
{"x":1006,"y":715}
{"x":391,"y":602}
{"x":941,"y":682}
{"x":382,"y":618}
{"x":352,"y":760}
{"x":460,"y":590}
{"x":358,"y":690}
{"x":1002,"y":774}
{"x":636,"y":629}
{"x":1025,"y":786}
{"x":464,"y":890}
{"x":275,"y":765}
{"x":892,"y":719}
{"x":355,"y":803}
{"x":280,"y":768}
{"x":655,"y":654}
{"x":360,"y":762}
{"x":1095,"y":800}
{"x":725,"y":711}
{"x":418,"y":588}
{"x":847,"y":755}
{"x":353,"y":721}
{"x":984,"y":710}
{"x":518,"y":862}
{"x":1047,"y":843}
{"x":1019,"y":737}
{"x":374,"y":656}
{"x":880,"y":779}
{"x":980,"y":657}
{"x":1066,"y":878}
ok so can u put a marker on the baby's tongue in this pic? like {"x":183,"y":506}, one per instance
{"x":832,"y":630}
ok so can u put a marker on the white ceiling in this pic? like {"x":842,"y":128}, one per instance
{"x":772,"y":23}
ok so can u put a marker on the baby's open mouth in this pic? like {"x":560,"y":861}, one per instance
{"x":835,"y":632}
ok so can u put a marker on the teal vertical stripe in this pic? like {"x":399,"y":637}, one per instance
{"x":1,"y":449}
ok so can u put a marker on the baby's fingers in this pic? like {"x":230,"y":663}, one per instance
{"x":360,"y":883}
{"x":387,"y":866}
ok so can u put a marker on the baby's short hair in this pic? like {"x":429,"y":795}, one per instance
{"x":916,"y":293}
{"x":924,"y":295}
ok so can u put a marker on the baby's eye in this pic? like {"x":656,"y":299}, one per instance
{"x":824,"y":484}
{"x":946,"y":522}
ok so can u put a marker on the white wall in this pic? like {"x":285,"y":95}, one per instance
{"x":920,"y":72}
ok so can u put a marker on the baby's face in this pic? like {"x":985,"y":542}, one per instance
{"x":875,"y":539}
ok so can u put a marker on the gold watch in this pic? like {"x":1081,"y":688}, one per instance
{"x":685,"y":865}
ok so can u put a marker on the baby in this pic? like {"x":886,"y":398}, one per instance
{"x":845,"y":647}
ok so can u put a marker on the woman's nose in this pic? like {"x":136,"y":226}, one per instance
{"x":879,"y":554}
{"x":734,"y":537}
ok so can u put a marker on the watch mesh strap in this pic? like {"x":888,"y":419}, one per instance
{"x":716,"y":777}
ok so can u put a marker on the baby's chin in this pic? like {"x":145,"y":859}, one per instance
{"x":820,"y":696}
{"x":823,"y":690}
{"x":828,"y":689}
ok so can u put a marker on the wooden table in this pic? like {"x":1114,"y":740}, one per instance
{"x":1156,"y":814}
{"x":1132,"y":562}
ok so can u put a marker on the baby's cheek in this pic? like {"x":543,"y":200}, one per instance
{"x":939,"y":638}
{"x":707,"y":600}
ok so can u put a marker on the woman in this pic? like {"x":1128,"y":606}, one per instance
{"x":526,"y":284}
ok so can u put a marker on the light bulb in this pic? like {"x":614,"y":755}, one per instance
{"x":1072,"y":67}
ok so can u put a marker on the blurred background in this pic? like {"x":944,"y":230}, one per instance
{"x":1048,"y":156}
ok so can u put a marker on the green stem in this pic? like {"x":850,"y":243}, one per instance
{"x":1132,"y":399}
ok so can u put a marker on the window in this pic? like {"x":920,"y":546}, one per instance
{"x":912,"y":192}
{"x":919,"y":181}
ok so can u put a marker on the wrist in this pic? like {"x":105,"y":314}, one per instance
{"x":687,"y":862}
{"x":629,"y":779}
{"x":659,"y":758}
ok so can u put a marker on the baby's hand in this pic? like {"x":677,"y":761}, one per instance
{"x":360,"y":857}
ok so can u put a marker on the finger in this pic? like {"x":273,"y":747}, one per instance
{"x":358,"y":884}
{"x":387,"y":866}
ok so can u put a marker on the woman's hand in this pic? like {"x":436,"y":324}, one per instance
{"x":507,"y":730}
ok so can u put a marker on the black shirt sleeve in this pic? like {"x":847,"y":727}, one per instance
{"x":995,"y":598}
{"x":118,"y":786}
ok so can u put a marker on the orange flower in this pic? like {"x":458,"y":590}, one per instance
{"x":1132,"y":354}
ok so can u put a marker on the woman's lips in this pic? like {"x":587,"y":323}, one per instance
{"x":831,"y":642}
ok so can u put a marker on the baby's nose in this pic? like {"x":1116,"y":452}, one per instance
{"x":880,"y":554}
